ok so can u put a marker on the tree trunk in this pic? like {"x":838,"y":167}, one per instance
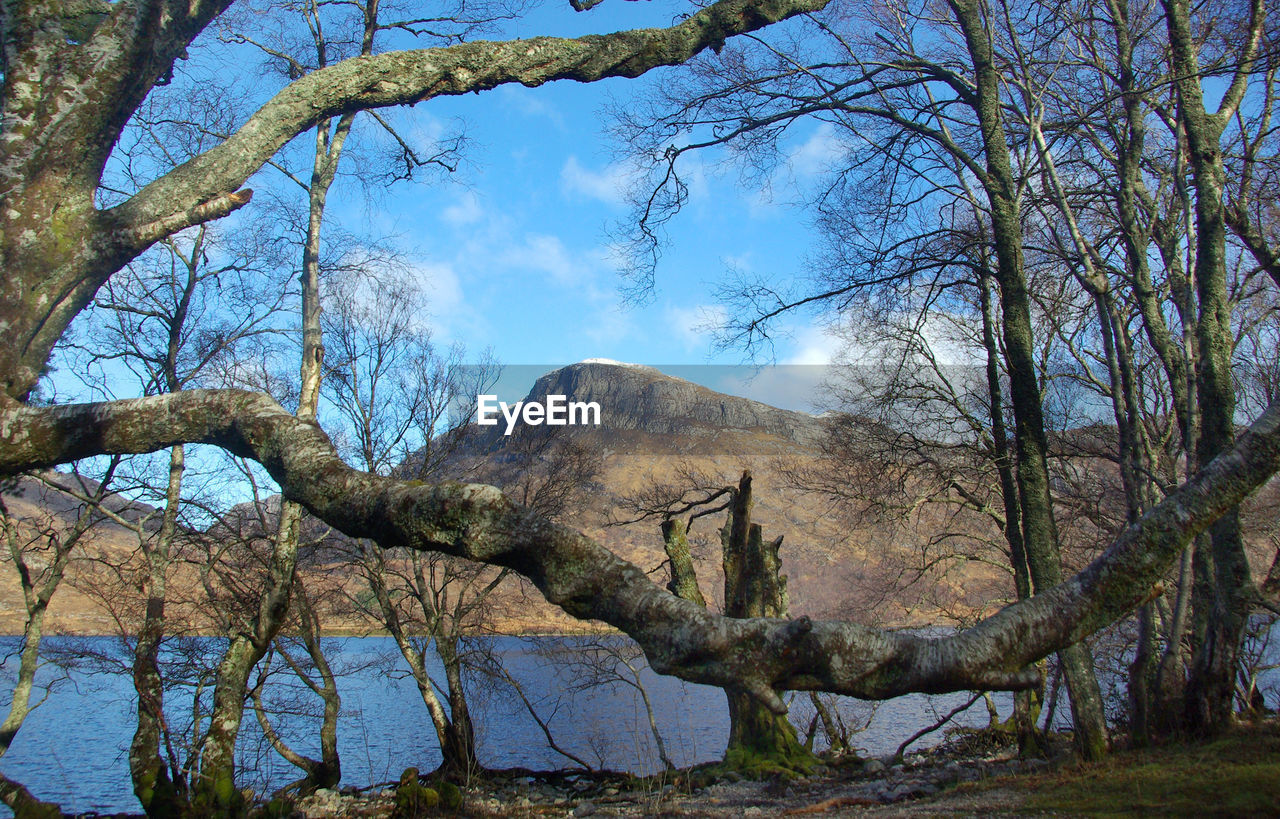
{"x":152,"y":784}
{"x":329,"y":773}
{"x":14,"y":794}
{"x":1040,"y":535}
{"x":684,"y":580}
{"x":759,"y":739}
{"x":325,"y":772}
{"x":1225,"y":604}
{"x":1026,"y":704}
{"x":215,"y":788}
{"x":217,"y":759}
{"x":459,"y":761}
{"x":23,"y":803}
{"x":1142,"y":679}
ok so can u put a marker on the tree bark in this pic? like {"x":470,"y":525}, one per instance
{"x":1026,"y":704}
{"x":214,"y":787}
{"x":1226,"y":604}
{"x":684,"y":580}
{"x":155,"y":789}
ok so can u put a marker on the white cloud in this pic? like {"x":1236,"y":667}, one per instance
{"x":814,"y":345}
{"x":694,"y":326}
{"x":452,"y":317}
{"x":793,"y":387}
{"x":465,"y":210}
{"x":816,"y":155}
{"x":805,"y":163}
{"x":531,"y":103}
{"x":608,"y":185}
{"x":547,"y":254}
{"x":610,"y":327}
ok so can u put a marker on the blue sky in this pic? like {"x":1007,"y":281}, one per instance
{"x":514,"y":249}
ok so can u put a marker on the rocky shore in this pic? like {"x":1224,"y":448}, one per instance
{"x":844,"y":786}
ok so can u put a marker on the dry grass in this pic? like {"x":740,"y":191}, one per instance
{"x":1238,"y":775}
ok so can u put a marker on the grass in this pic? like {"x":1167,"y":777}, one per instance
{"x":1237,"y":775}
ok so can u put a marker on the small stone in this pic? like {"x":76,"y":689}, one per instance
{"x":874,"y":766}
{"x":611,"y":791}
{"x":585,"y":809}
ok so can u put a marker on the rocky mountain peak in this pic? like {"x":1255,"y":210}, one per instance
{"x":635,"y":397}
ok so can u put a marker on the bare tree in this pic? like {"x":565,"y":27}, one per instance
{"x":923,"y":94}
{"x":175,"y":319}
{"x":760,"y":741}
{"x":40,"y":551}
{"x":393,"y":394}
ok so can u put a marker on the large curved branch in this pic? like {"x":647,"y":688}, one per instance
{"x":408,"y":77}
{"x":588,"y":581}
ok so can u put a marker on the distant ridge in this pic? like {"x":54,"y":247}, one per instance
{"x":641,"y":398}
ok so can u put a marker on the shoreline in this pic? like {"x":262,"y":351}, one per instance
{"x":1236,"y":775}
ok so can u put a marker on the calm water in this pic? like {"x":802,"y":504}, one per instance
{"x":73,"y":749}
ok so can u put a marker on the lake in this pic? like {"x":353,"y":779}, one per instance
{"x":73,"y":748}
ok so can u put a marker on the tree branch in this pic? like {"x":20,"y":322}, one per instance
{"x":590,"y":582}
{"x":409,"y":77}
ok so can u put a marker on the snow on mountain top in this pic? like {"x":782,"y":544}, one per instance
{"x":610,"y":361}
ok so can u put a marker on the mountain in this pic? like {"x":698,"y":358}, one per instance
{"x":644,"y":399}
{"x":656,"y":431}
